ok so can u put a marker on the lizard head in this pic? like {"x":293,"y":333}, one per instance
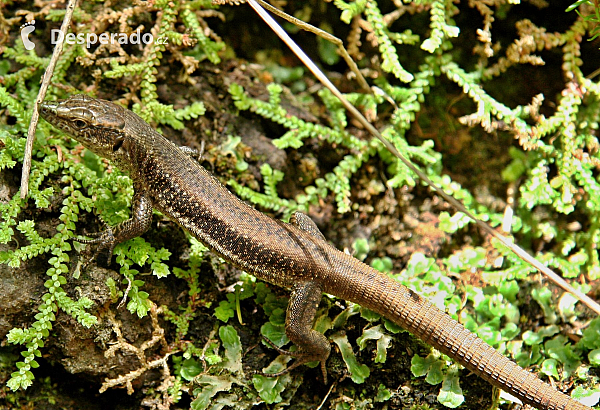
{"x":97,"y":124}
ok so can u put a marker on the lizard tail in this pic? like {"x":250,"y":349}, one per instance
{"x":423,"y":319}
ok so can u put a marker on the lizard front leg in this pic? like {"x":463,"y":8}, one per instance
{"x":139,"y":223}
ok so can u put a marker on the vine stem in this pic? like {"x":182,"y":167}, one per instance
{"x":35,"y":116}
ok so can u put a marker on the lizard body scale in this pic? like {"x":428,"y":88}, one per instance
{"x":293,"y":255}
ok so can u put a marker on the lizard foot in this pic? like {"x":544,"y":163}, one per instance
{"x":301,"y":358}
{"x":107,"y":242}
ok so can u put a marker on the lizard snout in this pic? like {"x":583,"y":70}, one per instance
{"x":48,"y":107}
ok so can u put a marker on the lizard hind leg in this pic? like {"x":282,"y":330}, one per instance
{"x":301,"y":358}
{"x":304,"y":222}
{"x":300,"y":314}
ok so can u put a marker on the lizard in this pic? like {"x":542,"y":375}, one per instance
{"x":293,"y":255}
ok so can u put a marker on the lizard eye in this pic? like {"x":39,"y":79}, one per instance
{"x":79,"y":124}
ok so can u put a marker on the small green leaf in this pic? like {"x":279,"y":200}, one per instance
{"x":275,"y":333}
{"x":358,"y":372}
{"x":233,"y":348}
{"x":361,"y":248}
{"x":190,"y":368}
{"x":549,"y":368}
{"x":383,"y":394}
{"x":451,"y":394}
{"x":224,"y":311}
{"x":270,"y":388}
{"x":384,"y":265}
{"x":211,"y":385}
{"x":369,"y":315}
{"x":591,"y":335}
{"x":533,"y":338}
{"x":430,"y":366}
{"x":594,"y":357}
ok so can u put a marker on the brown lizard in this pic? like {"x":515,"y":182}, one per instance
{"x":294,"y":255}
